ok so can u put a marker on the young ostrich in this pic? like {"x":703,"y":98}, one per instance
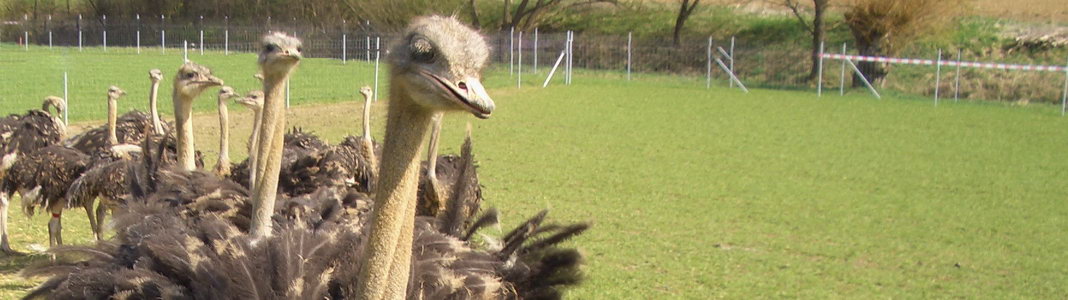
{"x":222,"y":165}
{"x":125,"y":129}
{"x":187,"y":235}
{"x":253,"y":101}
{"x":22,"y":135}
{"x":155,"y":75}
{"x":42,"y":179}
{"x":367,"y":147}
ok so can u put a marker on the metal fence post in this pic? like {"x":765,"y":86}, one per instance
{"x":630,"y":39}
{"x":162,"y":34}
{"x":519,"y":62}
{"x":201,"y":35}
{"x":138,"y":17}
{"x":535,"y":50}
{"x":378,"y":54}
{"x":185,"y":51}
{"x":819,"y":73}
{"x":226,"y":36}
{"x":79,"y":33}
{"x":287,"y":93}
{"x":956,"y":84}
{"x":708,"y":67}
{"x":938,"y":75}
{"x":841,"y":85}
{"x":1064,"y":96}
{"x":369,"y":50}
{"x":344,"y":39}
{"x":731,"y":59}
{"x":511,"y":51}
{"x":65,"y":98}
{"x":105,"y":31}
{"x":25,"y":32}
{"x":48,"y":26}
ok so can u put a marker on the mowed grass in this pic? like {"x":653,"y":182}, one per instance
{"x":711,"y":193}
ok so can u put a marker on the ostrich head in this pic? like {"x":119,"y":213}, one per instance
{"x":254,"y":100}
{"x":366,"y":91}
{"x":115,"y":92}
{"x":155,"y":75}
{"x":193,"y":79}
{"x":280,"y":54}
{"x":227,"y":93}
{"x":56,"y":102}
{"x":439,"y":62}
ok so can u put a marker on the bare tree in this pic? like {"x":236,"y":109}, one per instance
{"x":882,"y":27}
{"x":474,"y":14}
{"x":685,"y":10}
{"x":527,"y":14}
{"x":815,"y":28}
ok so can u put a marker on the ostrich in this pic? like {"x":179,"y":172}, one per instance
{"x":435,"y":68}
{"x":187,"y":235}
{"x":125,"y":129}
{"x":222,"y":165}
{"x":42,"y":179}
{"x":367,"y":148}
{"x":25,"y":134}
{"x":254,"y":101}
{"x":155,"y":75}
{"x":192,"y":79}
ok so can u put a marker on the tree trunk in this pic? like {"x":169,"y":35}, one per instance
{"x":875,"y":72}
{"x":506,"y":14}
{"x":684,"y":13}
{"x":820,"y":6}
{"x":474,"y":15}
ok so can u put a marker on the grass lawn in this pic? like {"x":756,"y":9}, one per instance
{"x":698,"y":193}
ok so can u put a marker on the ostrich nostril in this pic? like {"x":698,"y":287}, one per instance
{"x":462,"y":85}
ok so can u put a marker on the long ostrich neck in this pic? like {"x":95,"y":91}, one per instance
{"x":389,"y":247}
{"x":254,"y":146}
{"x":183,"y":118}
{"x":269,"y":156}
{"x":113,"y":116}
{"x":153,"y":107}
{"x":432,"y":153}
{"x":223,"y":164}
{"x":368,"y":150}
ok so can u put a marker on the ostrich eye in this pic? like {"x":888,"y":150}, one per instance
{"x":270,"y":48}
{"x":300,"y":49}
{"x":190,"y":75}
{"x":422,"y":51}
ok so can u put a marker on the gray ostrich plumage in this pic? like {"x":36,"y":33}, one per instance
{"x":183,"y":234}
{"x":42,"y":179}
{"x":22,"y":135}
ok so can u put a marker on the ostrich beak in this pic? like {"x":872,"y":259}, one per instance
{"x":468,"y":92}
{"x":211,"y":81}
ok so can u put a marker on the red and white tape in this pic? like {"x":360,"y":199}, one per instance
{"x":930,"y":62}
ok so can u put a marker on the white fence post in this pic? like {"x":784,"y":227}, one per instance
{"x":731,"y":74}
{"x":344,"y":39}
{"x":535,"y":50}
{"x":50,"y":34}
{"x":1064,"y":96}
{"x":138,"y":16}
{"x":511,"y":51}
{"x":25,"y":33}
{"x":79,"y":33}
{"x":185,"y":51}
{"x":287,"y":93}
{"x":553,"y":70}
{"x":105,"y":31}
{"x":731,"y":58}
{"x":864,"y":79}
{"x":369,"y":50}
{"x":956,"y":84}
{"x":630,"y":40}
{"x":66,"y":99}
{"x":519,"y":67}
{"x":819,"y":73}
{"x":226,"y":36}
{"x":708,"y":67}
{"x":841,"y":85}
{"x":938,"y":75}
{"x":378,"y":54}
{"x":162,"y":34}
{"x":201,"y":35}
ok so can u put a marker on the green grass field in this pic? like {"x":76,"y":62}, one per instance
{"x":701,"y":193}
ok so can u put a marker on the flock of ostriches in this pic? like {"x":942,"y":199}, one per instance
{"x":298,"y":219}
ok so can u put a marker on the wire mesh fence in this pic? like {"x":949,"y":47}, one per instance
{"x":756,"y":63}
